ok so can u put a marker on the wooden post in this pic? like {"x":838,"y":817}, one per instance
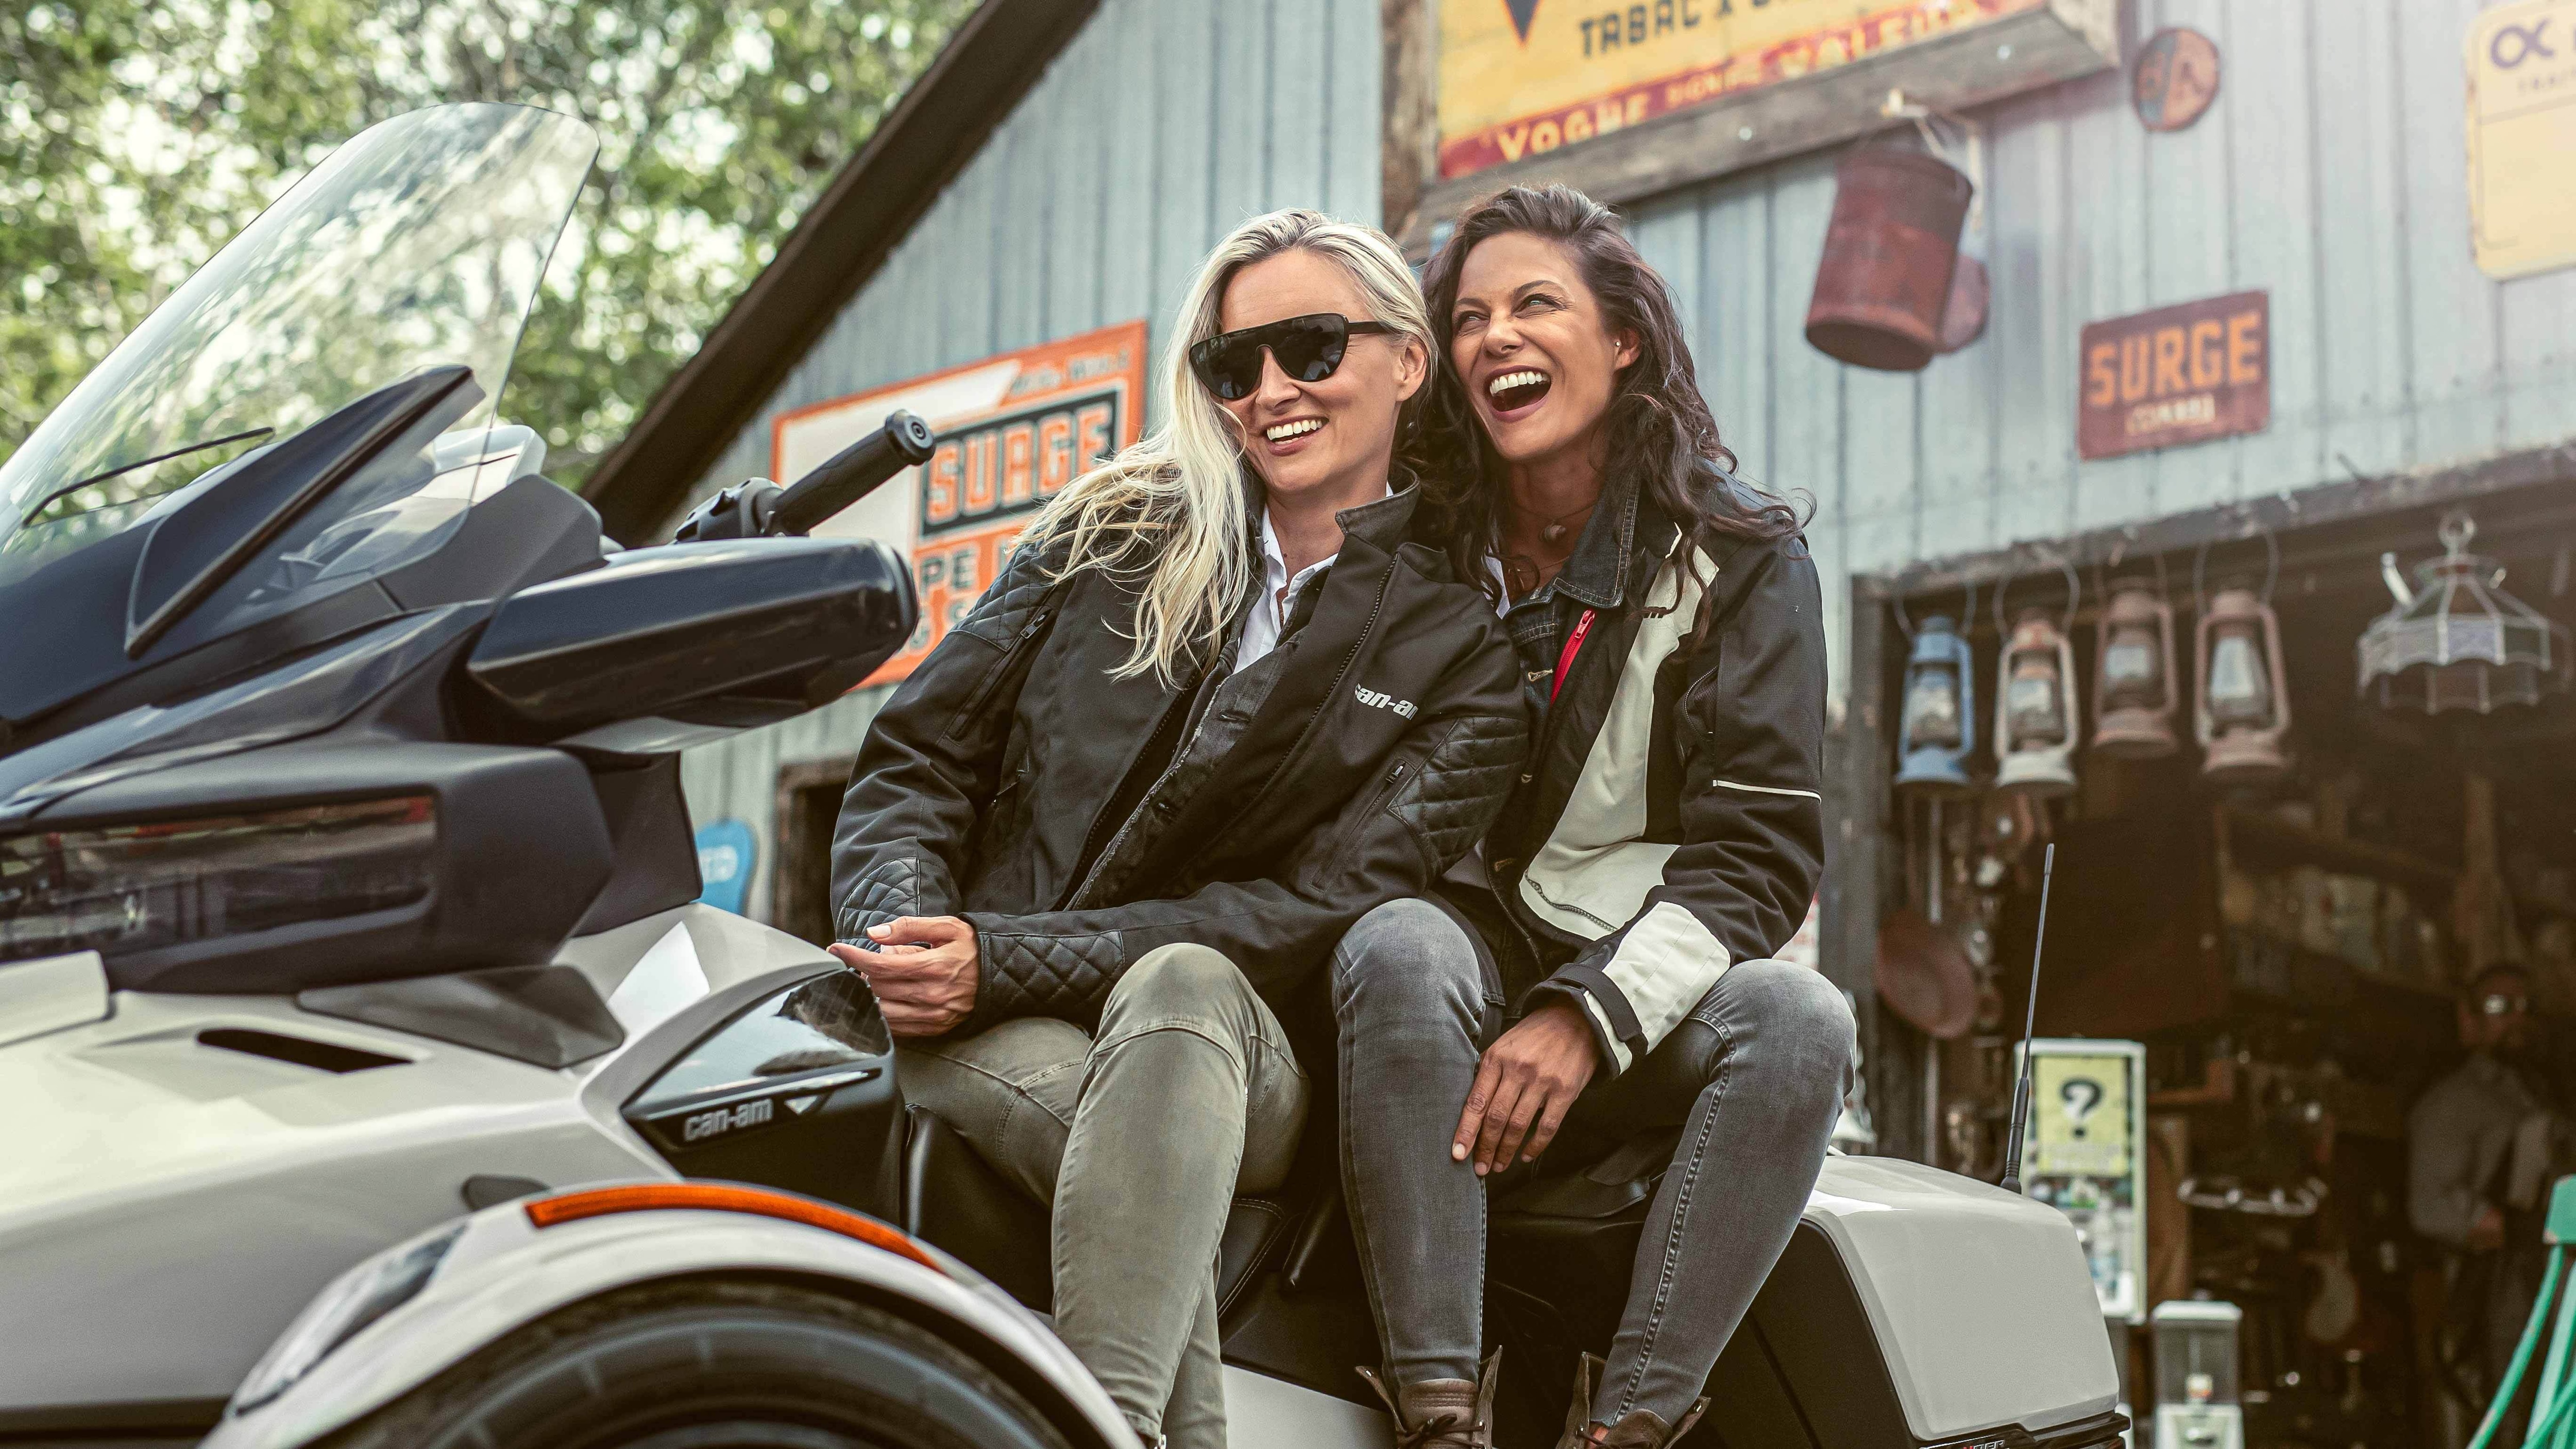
{"x":1412,"y":118}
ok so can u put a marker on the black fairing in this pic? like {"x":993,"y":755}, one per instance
{"x":742,"y":632}
{"x":73,"y":672}
{"x":211,"y":532}
{"x":521,"y":852}
{"x":379,"y":614}
{"x":795,"y":1091}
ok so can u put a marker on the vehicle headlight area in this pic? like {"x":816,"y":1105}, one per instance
{"x":122,"y":889}
{"x":355,"y":1299}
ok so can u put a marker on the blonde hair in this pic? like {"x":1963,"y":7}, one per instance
{"x":1169,"y":511}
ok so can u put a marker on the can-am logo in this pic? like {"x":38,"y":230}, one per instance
{"x":1375,"y":700}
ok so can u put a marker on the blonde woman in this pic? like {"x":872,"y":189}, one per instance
{"x":1213,"y":713}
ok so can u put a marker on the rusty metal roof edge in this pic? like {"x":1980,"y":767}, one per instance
{"x":2343,"y":500}
{"x":869,"y":206}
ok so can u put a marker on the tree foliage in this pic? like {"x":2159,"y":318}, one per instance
{"x":136,"y":137}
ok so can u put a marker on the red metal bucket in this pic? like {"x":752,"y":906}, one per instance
{"x":1889,"y":252}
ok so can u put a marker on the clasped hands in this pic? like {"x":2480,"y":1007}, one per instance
{"x":923,"y":972}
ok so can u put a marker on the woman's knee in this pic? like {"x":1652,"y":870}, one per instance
{"x":1408,"y":957}
{"x":1801,"y":1018}
{"x":1182,"y":980}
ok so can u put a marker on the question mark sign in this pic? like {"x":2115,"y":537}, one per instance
{"x":2080,"y":1096}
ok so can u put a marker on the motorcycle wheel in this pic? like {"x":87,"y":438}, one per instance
{"x":711,"y":1365}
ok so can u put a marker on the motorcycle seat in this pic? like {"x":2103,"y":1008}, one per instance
{"x":955,"y":1200}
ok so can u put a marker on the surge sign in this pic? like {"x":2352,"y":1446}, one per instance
{"x":1013,"y":431}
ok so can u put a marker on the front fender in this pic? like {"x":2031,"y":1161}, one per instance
{"x":505,"y":1272}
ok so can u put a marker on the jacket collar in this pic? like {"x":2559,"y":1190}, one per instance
{"x":1381,"y":525}
{"x":1604,"y":557}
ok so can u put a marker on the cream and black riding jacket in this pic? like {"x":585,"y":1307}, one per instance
{"x":1670,"y":822}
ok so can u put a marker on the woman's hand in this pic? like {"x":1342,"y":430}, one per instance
{"x":1524,"y":1086}
{"x":923,"y":972}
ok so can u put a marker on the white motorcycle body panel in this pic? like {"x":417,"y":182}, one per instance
{"x":1955,"y":1277}
{"x":167,"y":1206}
{"x":504,"y":1272}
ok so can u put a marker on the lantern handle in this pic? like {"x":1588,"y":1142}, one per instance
{"x":2271,"y":569}
{"x":2074,"y":597}
{"x":2102,"y":576}
{"x":1905,"y":622}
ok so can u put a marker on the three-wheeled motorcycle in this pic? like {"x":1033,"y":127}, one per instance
{"x":370,"y":1075}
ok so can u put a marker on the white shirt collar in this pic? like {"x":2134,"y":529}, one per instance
{"x":1269,"y":612}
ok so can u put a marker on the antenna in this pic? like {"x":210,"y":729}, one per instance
{"x":2021,"y":1088}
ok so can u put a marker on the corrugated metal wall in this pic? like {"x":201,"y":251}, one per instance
{"x":1161,"y":126}
{"x":2330,"y":171}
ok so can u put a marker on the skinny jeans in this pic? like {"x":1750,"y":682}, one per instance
{"x":1414,"y":1002}
{"x":1139,"y":1137}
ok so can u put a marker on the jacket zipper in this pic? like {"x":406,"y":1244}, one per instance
{"x":975,"y":703}
{"x":1368,"y":627}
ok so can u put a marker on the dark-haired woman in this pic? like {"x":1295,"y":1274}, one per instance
{"x":1662,"y":846}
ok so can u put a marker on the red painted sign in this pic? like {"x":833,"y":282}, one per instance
{"x":2176,"y":375}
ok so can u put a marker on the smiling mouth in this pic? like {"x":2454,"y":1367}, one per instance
{"x":1296,"y":428}
{"x":1511,"y":391}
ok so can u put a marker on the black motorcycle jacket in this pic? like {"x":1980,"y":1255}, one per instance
{"x":1077,"y":820}
{"x":1671,"y":821}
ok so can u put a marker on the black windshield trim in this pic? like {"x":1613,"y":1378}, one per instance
{"x":68,"y":489}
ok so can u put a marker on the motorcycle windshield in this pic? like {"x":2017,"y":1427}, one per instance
{"x":418,"y":243}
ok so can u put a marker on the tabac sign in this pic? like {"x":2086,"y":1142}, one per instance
{"x":1013,"y":431}
{"x":2176,"y":375}
{"x":1628,"y":98}
{"x":1524,"y":77}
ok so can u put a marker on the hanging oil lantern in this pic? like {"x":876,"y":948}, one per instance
{"x":2133,"y":692}
{"x":2035,"y":714}
{"x":1883,"y":286}
{"x":2244,"y":709}
{"x":2457,"y":640}
{"x":1938,"y":726}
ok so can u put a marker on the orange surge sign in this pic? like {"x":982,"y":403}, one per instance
{"x":1524,"y":77}
{"x":2176,"y":375}
{"x":1013,"y":431}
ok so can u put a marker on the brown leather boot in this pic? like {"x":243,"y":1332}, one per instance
{"x":1641,"y":1429}
{"x":1443,"y":1413}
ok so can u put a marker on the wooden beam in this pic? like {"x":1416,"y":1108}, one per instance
{"x":1411,"y":137}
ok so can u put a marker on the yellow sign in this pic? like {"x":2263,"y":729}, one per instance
{"x":2522,"y":137}
{"x":2080,"y":1110}
{"x":1524,"y":77}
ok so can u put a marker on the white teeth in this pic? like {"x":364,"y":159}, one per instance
{"x":1524,"y":378}
{"x":1297,"y":429}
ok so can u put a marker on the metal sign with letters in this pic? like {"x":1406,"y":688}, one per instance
{"x":2175,"y":375}
{"x":1013,"y":430}
{"x":1626,"y":99}
{"x":2522,"y":137}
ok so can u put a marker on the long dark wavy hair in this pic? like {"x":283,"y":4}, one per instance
{"x":1659,"y":428}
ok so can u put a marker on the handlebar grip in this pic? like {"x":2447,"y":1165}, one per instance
{"x":853,"y":473}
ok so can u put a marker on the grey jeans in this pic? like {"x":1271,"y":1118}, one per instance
{"x":1139,"y":1138}
{"x":1412,"y":998}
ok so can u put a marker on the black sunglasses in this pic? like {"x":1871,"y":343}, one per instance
{"x":1309,"y":349}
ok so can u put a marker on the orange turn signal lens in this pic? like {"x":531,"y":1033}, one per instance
{"x":725,"y":1198}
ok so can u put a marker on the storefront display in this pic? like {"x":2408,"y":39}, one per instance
{"x":2261,"y":938}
